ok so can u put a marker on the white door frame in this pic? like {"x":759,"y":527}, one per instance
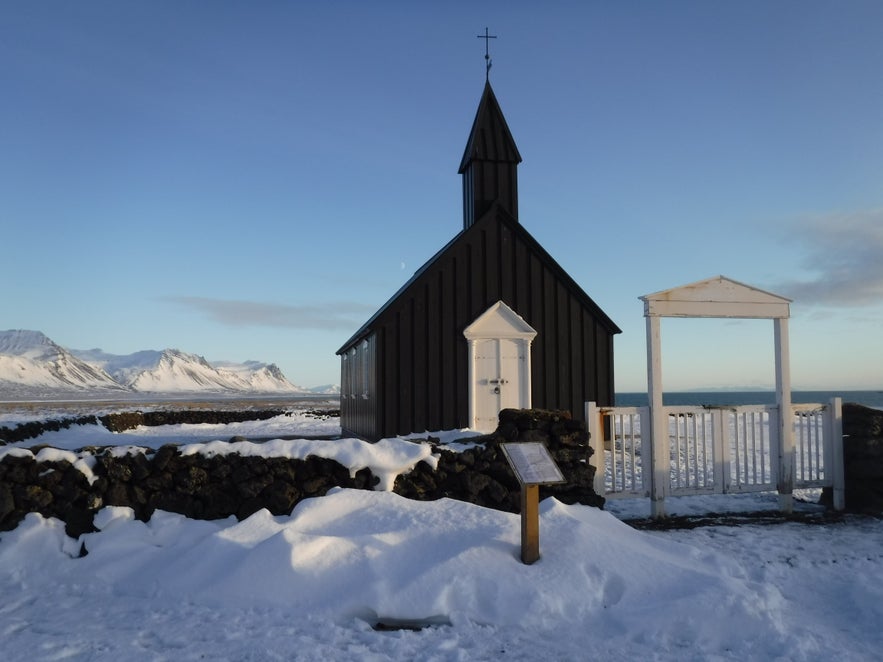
{"x":496,"y":323}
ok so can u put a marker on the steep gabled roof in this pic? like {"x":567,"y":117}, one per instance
{"x":495,"y":212}
{"x":490,"y":138}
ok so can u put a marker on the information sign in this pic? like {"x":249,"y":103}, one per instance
{"x":533,"y":466}
{"x":532,"y":463}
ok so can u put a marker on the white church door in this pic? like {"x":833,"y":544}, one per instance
{"x":499,"y":371}
{"x":499,"y":365}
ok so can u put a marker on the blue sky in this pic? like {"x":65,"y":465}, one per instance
{"x":252,"y":180}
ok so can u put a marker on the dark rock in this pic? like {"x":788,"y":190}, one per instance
{"x":190,"y":480}
{"x":533,"y":435}
{"x":316,"y":486}
{"x":498,"y":494}
{"x":365,"y":480}
{"x":219,"y":469}
{"x":280,"y":497}
{"x":862,"y":459}
{"x":283,"y":469}
{"x":78,"y":521}
{"x":241,"y":473}
{"x":508,"y":430}
{"x":473,"y":483}
{"x":31,"y":498}
{"x":861,"y":421}
{"x":158,"y":482}
{"x":7,"y":503}
{"x":117,"y":494}
{"x":249,"y":489}
{"x":163,"y":456}
{"x":20,"y":470}
{"x":220,"y":501}
{"x":138,"y":495}
{"x":140,"y":466}
{"x":71,"y":486}
{"x":122,"y":421}
{"x":116,"y":469}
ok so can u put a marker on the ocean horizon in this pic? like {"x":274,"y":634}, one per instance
{"x":735,"y":398}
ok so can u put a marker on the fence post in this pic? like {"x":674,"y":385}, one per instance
{"x":660,"y":474}
{"x":835,"y":434}
{"x":785,"y":424}
{"x":721,"y":445}
{"x":596,"y":443}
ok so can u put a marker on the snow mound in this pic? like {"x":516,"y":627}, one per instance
{"x":376,"y":556}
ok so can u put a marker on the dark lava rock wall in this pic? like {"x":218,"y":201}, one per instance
{"x":482,"y":475}
{"x":213,"y":487}
{"x":34,"y":429}
{"x":197,"y":486}
{"x":863,"y":458}
{"x":129,"y":420}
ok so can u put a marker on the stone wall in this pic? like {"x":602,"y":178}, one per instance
{"x":122,"y":421}
{"x":197,"y":486}
{"x":221,"y":486}
{"x":482,"y":475}
{"x":215,"y":487}
{"x":33,"y":429}
{"x":863,"y":458}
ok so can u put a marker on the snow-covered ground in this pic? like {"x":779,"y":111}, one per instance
{"x":298,"y":422}
{"x":309,"y":586}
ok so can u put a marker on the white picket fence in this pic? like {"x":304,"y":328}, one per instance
{"x":716,"y":450}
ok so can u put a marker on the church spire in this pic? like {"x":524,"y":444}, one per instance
{"x":489,"y":162}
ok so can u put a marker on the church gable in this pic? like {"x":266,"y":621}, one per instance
{"x":495,"y":259}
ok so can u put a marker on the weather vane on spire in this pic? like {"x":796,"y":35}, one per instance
{"x":487,"y":57}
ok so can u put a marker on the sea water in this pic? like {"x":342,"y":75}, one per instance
{"x":734,"y":398}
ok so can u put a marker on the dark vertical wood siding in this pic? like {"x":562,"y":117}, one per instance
{"x":421,"y":356}
{"x":486,"y":183}
{"x":358,"y":388}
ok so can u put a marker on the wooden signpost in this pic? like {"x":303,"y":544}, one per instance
{"x":533,"y":466}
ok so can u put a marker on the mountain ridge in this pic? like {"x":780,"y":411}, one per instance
{"x":30,"y":361}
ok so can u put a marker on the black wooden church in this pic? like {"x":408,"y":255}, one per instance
{"x":490,"y":322}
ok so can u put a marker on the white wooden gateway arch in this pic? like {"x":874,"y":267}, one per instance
{"x":718,"y":297}
{"x":657,"y":451}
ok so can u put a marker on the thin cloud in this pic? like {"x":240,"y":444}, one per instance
{"x":845,"y":254}
{"x":329,"y":316}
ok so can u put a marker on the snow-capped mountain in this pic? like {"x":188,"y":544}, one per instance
{"x":326,"y":389}
{"x":29,"y":361}
{"x":174,"y":371}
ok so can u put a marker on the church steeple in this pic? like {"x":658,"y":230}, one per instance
{"x":489,"y":162}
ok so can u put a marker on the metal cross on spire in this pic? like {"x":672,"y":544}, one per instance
{"x":487,"y":57}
